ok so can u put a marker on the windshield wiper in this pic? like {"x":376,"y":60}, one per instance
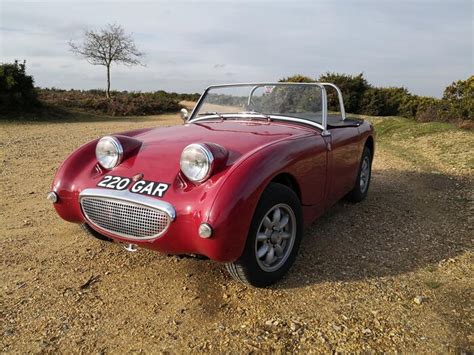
{"x":264,"y":115}
{"x":211,"y":114}
{"x":220,"y":115}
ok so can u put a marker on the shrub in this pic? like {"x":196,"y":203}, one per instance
{"x":394,"y":98}
{"x":387,"y":102}
{"x":460,"y":98}
{"x":409,"y":106}
{"x":373,"y":102}
{"x":428,"y":114}
{"x":352,"y":87}
{"x":298,"y":78}
{"x":460,"y":90}
{"x":17,"y":90}
{"x":457,"y":105}
{"x":426,"y":108}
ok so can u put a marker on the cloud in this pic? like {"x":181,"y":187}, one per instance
{"x":417,"y":44}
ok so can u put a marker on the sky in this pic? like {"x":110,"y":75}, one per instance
{"x":421,"y":45}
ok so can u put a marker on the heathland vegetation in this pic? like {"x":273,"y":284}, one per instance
{"x":19,"y":95}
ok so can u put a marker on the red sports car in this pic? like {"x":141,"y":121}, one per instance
{"x":236,"y":183}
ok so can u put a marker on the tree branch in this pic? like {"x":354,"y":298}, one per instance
{"x":106,"y":46}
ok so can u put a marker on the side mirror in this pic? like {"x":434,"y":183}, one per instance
{"x":184,"y":114}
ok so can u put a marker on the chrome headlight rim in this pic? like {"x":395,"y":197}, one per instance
{"x":210,"y":161}
{"x":118,"y":150}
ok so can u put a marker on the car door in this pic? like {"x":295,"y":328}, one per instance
{"x":343,"y":162}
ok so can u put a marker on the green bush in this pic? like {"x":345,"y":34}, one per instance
{"x":373,"y":102}
{"x":17,"y":92}
{"x":298,"y":78}
{"x":457,"y":105}
{"x":460,"y":97}
{"x":352,"y":87}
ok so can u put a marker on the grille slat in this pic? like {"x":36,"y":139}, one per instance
{"x":125,"y":219}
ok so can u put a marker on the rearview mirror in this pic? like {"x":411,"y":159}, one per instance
{"x":184,"y":114}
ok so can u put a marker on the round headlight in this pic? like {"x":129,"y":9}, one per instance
{"x":196,"y":162}
{"x":109,"y":152}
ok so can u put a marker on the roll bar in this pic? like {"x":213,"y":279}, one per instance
{"x":341,"y":100}
{"x":255,"y":86}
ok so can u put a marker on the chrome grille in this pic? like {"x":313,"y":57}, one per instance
{"x":125,"y":219}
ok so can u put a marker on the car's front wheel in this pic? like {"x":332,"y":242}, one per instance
{"x":273,"y":240}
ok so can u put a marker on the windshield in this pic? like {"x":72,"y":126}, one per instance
{"x":290,"y":100}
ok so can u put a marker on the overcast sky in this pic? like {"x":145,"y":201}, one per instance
{"x":422,"y":45}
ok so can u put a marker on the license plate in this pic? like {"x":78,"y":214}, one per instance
{"x":143,"y":187}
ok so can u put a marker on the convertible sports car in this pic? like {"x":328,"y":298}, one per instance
{"x":251,"y":166}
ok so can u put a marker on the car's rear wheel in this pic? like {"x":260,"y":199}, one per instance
{"x":94,"y":234}
{"x":273,"y":240}
{"x":361,"y":187}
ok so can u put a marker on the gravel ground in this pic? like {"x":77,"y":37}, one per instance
{"x":393,"y":273}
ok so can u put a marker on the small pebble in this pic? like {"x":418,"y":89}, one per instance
{"x":418,"y":299}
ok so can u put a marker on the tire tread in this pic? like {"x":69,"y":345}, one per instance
{"x":355,"y":195}
{"x":244,"y":271}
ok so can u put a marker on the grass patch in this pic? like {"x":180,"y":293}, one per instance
{"x":390,"y":127}
{"x":413,"y":156}
{"x":431,"y":146}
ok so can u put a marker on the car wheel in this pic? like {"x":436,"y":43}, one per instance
{"x":361,"y":187}
{"x":273,"y":240}
{"x":93,"y":233}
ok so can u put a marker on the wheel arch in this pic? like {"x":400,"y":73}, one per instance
{"x":369,"y":143}
{"x":289,"y":181}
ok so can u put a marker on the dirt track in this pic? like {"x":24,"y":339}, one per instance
{"x":352,"y":287}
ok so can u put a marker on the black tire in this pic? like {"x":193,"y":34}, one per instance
{"x":94,"y":234}
{"x":247,"y":268}
{"x":360,"y":191}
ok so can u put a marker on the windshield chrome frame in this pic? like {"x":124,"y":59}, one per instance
{"x":322,"y":86}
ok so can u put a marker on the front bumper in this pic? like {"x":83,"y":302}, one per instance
{"x":180,"y":237}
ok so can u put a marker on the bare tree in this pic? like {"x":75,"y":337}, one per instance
{"x":106,"y":46}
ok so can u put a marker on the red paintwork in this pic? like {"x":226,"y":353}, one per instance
{"x":323,"y":168}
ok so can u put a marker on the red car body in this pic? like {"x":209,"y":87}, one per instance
{"x":322,"y":169}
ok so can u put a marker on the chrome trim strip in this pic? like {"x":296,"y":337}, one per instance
{"x":127,"y":196}
{"x":299,"y":120}
{"x":249,"y":115}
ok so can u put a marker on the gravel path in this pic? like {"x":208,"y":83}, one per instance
{"x":392,"y":273}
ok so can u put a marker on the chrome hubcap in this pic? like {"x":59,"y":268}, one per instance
{"x":275,"y":237}
{"x":364,"y":174}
